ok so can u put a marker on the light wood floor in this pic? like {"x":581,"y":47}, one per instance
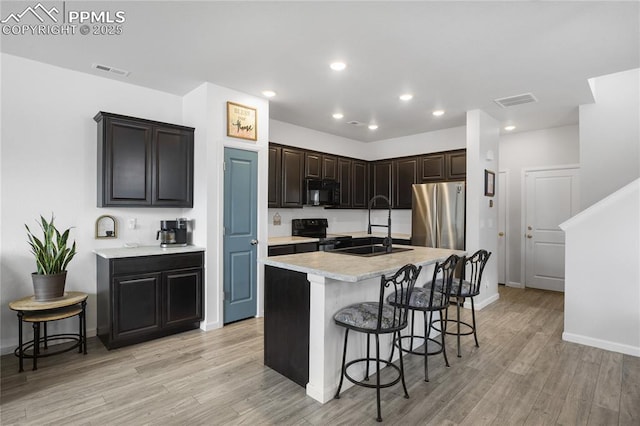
{"x":523,"y":373}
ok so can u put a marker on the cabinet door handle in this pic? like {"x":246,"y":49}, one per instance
{"x":254,"y":242}
{"x":500,"y":234}
{"x":529,"y":236}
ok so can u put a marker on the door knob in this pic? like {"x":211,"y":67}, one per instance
{"x":529,"y":236}
{"x":254,"y":242}
{"x":500,"y":234}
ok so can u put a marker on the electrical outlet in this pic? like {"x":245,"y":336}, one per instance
{"x":132,"y":223}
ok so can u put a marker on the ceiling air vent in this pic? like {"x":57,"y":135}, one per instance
{"x":354,"y":123}
{"x":510,"y":101}
{"x":111,"y":70}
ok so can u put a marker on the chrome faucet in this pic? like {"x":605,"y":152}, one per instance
{"x":387,"y":242}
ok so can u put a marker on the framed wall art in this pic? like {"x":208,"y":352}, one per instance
{"x":242,"y":121}
{"x":489,"y":183}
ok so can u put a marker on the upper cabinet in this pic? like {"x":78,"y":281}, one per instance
{"x":320,"y":166}
{"x":381,"y":175}
{"x":359,"y":180}
{"x":286,"y":176}
{"x":443,"y":166}
{"x":275,"y":178}
{"x":405,"y":174}
{"x":456,"y":166}
{"x":143,"y":163}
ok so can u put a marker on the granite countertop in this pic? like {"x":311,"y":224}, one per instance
{"x":112,"y":253}
{"x":355,"y":268}
{"x":278,"y":241}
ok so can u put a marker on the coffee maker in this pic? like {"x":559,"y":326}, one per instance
{"x":173,"y":233}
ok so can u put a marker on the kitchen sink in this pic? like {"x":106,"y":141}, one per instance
{"x":368,"y":251}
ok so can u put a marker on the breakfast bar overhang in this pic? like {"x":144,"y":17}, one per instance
{"x":303,"y":292}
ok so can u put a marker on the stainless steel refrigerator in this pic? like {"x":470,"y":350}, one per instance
{"x":438,"y":215}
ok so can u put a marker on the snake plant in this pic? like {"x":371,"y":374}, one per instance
{"x":51,"y":252}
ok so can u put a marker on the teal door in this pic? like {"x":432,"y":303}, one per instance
{"x":240,"y":234}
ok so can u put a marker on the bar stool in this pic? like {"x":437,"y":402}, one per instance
{"x":378,"y":318}
{"x":429,"y":299}
{"x":468,"y":285}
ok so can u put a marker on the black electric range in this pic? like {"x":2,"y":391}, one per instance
{"x":317,"y":228}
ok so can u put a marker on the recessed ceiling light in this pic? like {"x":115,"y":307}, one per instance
{"x":509,"y":128}
{"x":438,"y":113}
{"x":406,"y":97}
{"x":338,"y":116}
{"x":338,"y":66}
{"x":373,"y":126}
{"x":269,"y":93}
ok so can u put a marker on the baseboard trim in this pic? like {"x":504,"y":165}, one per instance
{"x":602,"y":344}
{"x":483,"y":304}
{"x":208,"y":326}
{"x":514,"y":284}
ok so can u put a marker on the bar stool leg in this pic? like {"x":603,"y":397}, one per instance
{"x":473,"y":316}
{"x":404,"y":385}
{"x":344,"y":360}
{"x":458,"y":321}
{"x":366,"y":377}
{"x":444,"y":348}
{"x":377,"y":376}
{"x":20,"y":347}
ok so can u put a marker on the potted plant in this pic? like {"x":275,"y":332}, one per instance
{"x":52,"y":257}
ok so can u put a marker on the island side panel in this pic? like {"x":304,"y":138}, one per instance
{"x":286,"y":323}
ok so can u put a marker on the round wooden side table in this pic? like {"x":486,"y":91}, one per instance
{"x":29,"y":310}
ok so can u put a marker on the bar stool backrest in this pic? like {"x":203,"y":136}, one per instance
{"x":440,"y":286}
{"x":472,"y":273}
{"x":401,"y":284}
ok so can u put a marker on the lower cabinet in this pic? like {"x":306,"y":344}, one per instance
{"x":142,"y":298}
{"x":286,"y":323}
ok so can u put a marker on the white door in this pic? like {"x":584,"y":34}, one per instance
{"x":502,"y":226}
{"x":551,"y":197}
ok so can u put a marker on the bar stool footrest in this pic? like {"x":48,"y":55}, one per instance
{"x":372,"y":385}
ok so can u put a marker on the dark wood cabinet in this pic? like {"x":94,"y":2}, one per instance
{"x":320,"y":166}
{"x":456,"y":165}
{"x":344,"y":178}
{"x":183,"y":297}
{"x":138,"y":298}
{"x":405,"y":174}
{"x":142,"y":298}
{"x":292,"y":177}
{"x":313,"y":165}
{"x":292,"y":249}
{"x":360,"y":184}
{"x":359,"y":180}
{"x":432,"y":168}
{"x":275,"y":176}
{"x":286,"y":323}
{"x":329,"y":167}
{"x":381,"y":174}
{"x":143,"y":163}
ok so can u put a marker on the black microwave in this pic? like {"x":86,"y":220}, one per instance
{"x":321,"y":192}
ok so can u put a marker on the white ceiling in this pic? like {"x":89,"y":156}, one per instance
{"x":451,"y":55}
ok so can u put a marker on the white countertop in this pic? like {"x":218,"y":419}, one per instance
{"x":350,"y":268}
{"x":278,"y":241}
{"x":112,"y":253}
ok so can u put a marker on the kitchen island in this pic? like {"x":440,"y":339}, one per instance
{"x":303,"y":292}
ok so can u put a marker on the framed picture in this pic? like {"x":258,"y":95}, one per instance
{"x":242,"y":121}
{"x":489,"y":183}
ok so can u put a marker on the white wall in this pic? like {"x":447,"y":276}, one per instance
{"x":421,"y":143}
{"x":610,"y":136}
{"x":482,"y":220}
{"x":205,"y":109}
{"x":602,"y":286}
{"x":49,"y":165}
{"x":541,"y":148}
